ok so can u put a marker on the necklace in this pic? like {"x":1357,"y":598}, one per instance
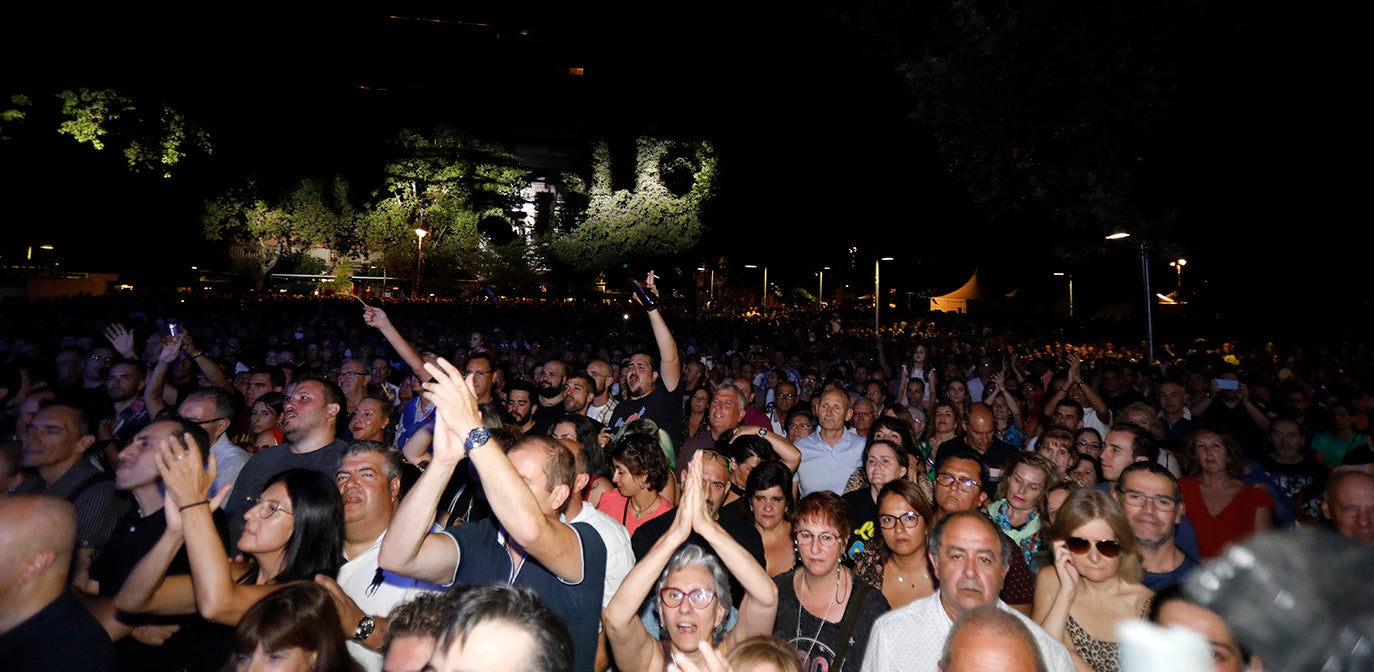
{"x":824,"y":617}
{"x":902,"y":579}
{"x":639,"y":513}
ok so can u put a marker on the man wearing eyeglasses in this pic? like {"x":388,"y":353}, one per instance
{"x":213,"y":410}
{"x":1154,"y":505}
{"x":354,"y":376}
{"x":971,"y":557}
{"x":785,"y":397}
{"x":959,"y":487}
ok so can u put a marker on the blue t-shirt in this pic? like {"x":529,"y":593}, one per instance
{"x":482,"y":558}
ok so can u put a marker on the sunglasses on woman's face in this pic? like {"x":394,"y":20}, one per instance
{"x":1107,"y":547}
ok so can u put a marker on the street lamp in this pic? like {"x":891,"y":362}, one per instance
{"x":820,"y":285}
{"x":420,"y":234}
{"x":1070,"y":276}
{"x":1178,"y":265}
{"x":877,"y":292}
{"x":763,"y":299}
{"x":1149,"y":295}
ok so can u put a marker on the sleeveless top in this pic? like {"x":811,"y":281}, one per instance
{"x":1102,"y":656}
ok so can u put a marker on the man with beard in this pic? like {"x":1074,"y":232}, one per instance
{"x":549,"y":380}
{"x":520,"y":405}
{"x":602,"y":404}
{"x":124,"y":384}
{"x":308,"y":423}
{"x":655,"y":394}
{"x":1154,"y":505}
{"x":578,"y":391}
{"x":1294,"y":470}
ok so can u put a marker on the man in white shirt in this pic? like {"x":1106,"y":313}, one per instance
{"x":369,"y":480}
{"x":970,"y":556}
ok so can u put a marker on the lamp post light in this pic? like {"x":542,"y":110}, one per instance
{"x":1178,"y":265}
{"x":877,"y":292}
{"x":1149,"y":295}
{"x":1070,"y":276}
{"x":420,"y":233}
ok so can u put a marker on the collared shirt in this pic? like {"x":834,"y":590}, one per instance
{"x":602,"y":414}
{"x":376,"y":591}
{"x":828,"y":468}
{"x":98,"y":505}
{"x":913,"y":638}
{"x":229,"y":460}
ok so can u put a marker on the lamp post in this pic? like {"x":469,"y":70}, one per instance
{"x":763,"y":298}
{"x":820,"y":285}
{"x":420,"y":233}
{"x":1149,"y":295}
{"x":877,"y":292}
{"x":1070,"y":276}
{"x":1178,"y":265}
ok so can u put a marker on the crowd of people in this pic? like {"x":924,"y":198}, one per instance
{"x":269,"y":483}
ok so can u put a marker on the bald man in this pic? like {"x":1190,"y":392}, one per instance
{"x":1349,"y":504}
{"x":42,"y":624}
{"x":981,"y":436}
{"x":987,"y":638}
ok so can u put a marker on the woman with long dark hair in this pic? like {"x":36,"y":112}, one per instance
{"x":293,"y":531}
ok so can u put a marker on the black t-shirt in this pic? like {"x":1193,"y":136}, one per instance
{"x":1304,"y":483}
{"x":739,"y":529}
{"x":662,"y":406}
{"x":199,"y":644}
{"x":62,"y":636}
{"x":863,"y":519}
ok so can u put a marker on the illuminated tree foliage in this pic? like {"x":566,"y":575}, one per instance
{"x":155,"y":140}
{"x":661,"y":215}
{"x":458,"y":188}
{"x":314,"y":213}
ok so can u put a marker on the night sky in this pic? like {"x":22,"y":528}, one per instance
{"x":805,"y":106}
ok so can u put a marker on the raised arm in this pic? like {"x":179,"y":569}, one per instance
{"x":213,"y":372}
{"x":148,"y":589}
{"x":409,"y":547}
{"x":784,"y":449}
{"x":760,"y":604}
{"x":669,"y":368}
{"x":376,"y":318}
{"x":219,"y":598}
{"x":631,"y":645}
{"x":1055,"y":589}
{"x":155,"y":389}
{"x":551,"y":542}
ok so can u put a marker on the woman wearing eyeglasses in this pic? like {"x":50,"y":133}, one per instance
{"x":824,"y":609}
{"x":896,"y":561}
{"x":293,"y":531}
{"x":1095,"y":583}
{"x":691,"y":591}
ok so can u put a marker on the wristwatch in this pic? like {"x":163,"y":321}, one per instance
{"x":477,"y":438}
{"x":763,"y":432}
{"x":365,"y":628}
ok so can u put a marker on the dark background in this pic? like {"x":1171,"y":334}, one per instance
{"x":803,"y":103}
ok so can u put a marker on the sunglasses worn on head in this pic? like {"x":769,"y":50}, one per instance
{"x":1107,"y":547}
